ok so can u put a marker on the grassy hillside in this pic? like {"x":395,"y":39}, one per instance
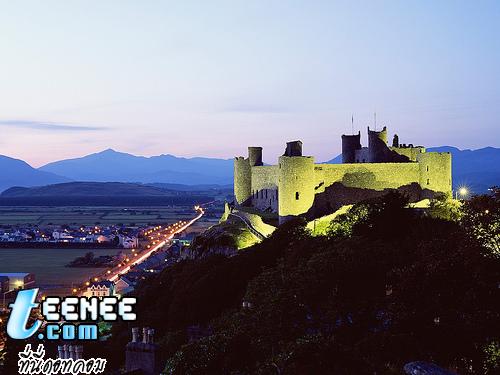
{"x":102,"y":194}
{"x":385,"y":287}
{"x":80,"y":189}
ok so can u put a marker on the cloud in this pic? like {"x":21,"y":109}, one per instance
{"x":47,"y":125}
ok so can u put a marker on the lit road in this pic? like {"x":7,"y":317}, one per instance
{"x":114,"y":275}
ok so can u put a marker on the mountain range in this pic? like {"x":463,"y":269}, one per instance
{"x":15,"y":172}
{"x":478,"y":169}
{"x":110,"y":165}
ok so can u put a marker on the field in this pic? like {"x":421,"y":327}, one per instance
{"x":93,"y":215}
{"x":48,"y":265}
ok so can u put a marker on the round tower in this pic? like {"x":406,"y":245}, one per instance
{"x":435,"y":172}
{"x":377,"y":145}
{"x":242,"y":181}
{"x":295,"y":186}
{"x":350,"y":143}
{"x":255,"y":156}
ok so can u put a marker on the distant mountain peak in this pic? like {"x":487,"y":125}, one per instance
{"x":109,"y":151}
{"x":111,"y":165}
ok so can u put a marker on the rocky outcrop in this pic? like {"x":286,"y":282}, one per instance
{"x":225,"y":238}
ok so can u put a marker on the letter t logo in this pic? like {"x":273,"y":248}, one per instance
{"x":21,"y":309}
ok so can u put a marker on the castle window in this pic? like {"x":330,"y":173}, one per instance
{"x":428,"y":182}
{"x":297,"y":195}
{"x":427,"y":168}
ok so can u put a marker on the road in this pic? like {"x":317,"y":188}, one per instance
{"x":114,"y":275}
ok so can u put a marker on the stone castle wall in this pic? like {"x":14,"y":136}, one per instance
{"x":410,"y":152}
{"x":265,"y":187}
{"x":376,"y":176}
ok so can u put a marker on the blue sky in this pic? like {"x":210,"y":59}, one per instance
{"x":209,"y":78}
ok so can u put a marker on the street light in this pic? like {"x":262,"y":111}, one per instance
{"x":462,"y":192}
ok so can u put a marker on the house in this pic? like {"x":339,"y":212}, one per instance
{"x":156,"y":261}
{"x":124,"y":285}
{"x":4,"y":284}
{"x":128,"y":242}
{"x":11,"y":283}
{"x":103,"y":288}
{"x":103,"y":239}
{"x":62,"y":236}
{"x":20,"y":280}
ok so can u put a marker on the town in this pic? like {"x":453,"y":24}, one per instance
{"x":152,"y":250}
{"x":123,"y":236}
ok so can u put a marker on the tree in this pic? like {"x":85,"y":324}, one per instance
{"x":446,"y":208}
{"x":481,"y":220}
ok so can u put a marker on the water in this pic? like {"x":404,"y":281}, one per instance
{"x":48,"y":265}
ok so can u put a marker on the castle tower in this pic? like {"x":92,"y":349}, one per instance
{"x":296,"y":186}
{"x":435,"y":171}
{"x":293,"y":148}
{"x":377,"y":146}
{"x":395,"y":141}
{"x":243,"y":175}
{"x":350,"y":143}
{"x":255,"y":156}
{"x":242,"y":181}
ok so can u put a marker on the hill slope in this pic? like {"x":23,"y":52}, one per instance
{"x":102,"y":194}
{"x":19,"y":173}
{"x":297,"y":304}
{"x":110,"y":165}
{"x":88,"y":189}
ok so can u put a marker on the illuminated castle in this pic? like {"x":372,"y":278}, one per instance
{"x":297,"y":186}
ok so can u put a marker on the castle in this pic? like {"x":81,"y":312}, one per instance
{"x":297,"y":186}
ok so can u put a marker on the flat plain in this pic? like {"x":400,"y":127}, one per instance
{"x":139,"y":216}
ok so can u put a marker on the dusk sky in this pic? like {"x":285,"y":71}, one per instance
{"x":209,"y":78}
